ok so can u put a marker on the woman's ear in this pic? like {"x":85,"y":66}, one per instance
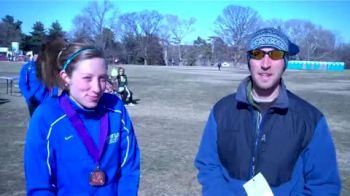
{"x":64,"y":76}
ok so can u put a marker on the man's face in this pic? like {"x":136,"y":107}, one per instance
{"x":266,"y":72}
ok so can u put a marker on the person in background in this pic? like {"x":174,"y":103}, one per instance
{"x":264,"y":139}
{"x":81,"y":142}
{"x":112,"y":82}
{"x":109,"y":87}
{"x":46,"y":67}
{"x":31,"y":87}
{"x":123,"y":88}
{"x":219,"y":66}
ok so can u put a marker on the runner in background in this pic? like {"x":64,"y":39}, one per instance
{"x":31,"y":87}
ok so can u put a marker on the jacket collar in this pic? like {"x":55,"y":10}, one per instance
{"x":282,"y":101}
{"x":84,"y":112}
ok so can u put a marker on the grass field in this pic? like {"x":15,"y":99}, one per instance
{"x":169,"y":119}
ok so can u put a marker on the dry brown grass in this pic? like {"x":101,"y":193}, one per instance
{"x":173,"y":107}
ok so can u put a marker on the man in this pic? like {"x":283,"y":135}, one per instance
{"x":33,"y":90}
{"x":219,"y":66}
{"x":265,"y":131}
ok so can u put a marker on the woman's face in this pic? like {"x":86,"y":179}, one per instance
{"x":88,"y":81}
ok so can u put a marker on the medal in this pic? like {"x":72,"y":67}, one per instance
{"x":97,"y":177}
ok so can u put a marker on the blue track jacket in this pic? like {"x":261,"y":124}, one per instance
{"x":58,"y":163}
{"x":30,"y":86}
{"x":293,"y":149}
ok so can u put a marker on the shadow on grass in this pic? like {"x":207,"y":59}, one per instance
{"x":2,"y":101}
{"x":135,"y":101}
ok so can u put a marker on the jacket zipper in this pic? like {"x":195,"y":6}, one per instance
{"x":259,"y":119}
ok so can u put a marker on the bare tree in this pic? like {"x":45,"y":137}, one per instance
{"x":127,"y":25}
{"x":164,"y":37}
{"x":93,"y":20}
{"x":82,"y":28}
{"x":179,"y":29}
{"x":315,"y":42}
{"x":343,"y":54}
{"x":234,"y":25}
{"x":127,"y":32}
{"x":276,"y":23}
{"x":150,"y":22}
{"x":139,"y":32}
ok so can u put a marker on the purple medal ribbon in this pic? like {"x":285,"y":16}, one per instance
{"x":79,"y":126}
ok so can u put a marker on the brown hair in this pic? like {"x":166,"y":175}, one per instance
{"x":57,"y":53}
{"x":46,"y":62}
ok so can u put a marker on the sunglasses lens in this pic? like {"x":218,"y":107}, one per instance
{"x":276,"y":54}
{"x":257,"y":54}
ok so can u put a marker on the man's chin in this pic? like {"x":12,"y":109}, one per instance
{"x":264,"y":85}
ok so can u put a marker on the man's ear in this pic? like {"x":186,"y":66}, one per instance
{"x":64,"y":76}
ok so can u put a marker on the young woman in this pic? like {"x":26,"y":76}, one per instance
{"x":37,"y":78}
{"x":81,"y":142}
{"x":31,"y":87}
{"x":123,"y":88}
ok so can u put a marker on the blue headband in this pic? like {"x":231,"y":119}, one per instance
{"x":72,"y":57}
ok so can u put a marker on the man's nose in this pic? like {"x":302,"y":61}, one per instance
{"x":265,"y":61}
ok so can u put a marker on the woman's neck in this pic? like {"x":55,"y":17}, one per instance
{"x":79,"y":105}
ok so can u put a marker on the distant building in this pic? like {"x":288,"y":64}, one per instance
{"x":4,"y":53}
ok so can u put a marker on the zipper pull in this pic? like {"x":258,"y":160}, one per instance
{"x":263,"y":138}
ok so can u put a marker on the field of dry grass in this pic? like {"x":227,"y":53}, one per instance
{"x":173,"y":106}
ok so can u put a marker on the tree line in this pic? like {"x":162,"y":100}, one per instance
{"x":150,"y":38}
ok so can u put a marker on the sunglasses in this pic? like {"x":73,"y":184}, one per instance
{"x":273,"y":54}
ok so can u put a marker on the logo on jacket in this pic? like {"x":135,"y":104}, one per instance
{"x":68,"y":137}
{"x":113,"y":138}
